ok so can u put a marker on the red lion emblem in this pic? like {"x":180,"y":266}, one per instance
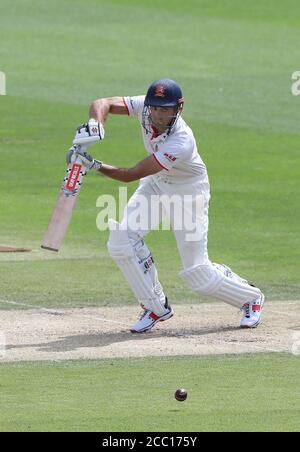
{"x":160,"y":91}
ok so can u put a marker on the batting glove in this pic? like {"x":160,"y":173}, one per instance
{"x":78,"y":152}
{"x":89,"y":133}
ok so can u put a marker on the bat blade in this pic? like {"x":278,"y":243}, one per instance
{"x":64,"y":207}
{"x":59,"y":222}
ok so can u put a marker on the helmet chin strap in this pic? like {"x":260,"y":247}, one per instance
{"x":174,"y":119}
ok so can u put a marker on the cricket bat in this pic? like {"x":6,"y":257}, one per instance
{"x":65,"y":205}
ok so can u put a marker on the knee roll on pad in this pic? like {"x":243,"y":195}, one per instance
{"x":203,"y":278}
{"x":119,"y":246}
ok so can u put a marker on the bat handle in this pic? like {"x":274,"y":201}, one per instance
{"x":73,"y":178}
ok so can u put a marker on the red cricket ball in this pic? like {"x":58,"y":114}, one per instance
{"x":180,"y":395}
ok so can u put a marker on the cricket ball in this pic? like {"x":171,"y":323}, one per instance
{"x":180,"y":395}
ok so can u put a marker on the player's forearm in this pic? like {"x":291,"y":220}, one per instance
{"x":120,"y":174}
{"x":99,"y":110}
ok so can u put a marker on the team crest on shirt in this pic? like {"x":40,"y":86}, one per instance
{"x":160,"y":91}
{"x":171,"y":158}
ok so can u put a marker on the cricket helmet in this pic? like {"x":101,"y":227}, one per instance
{"x":162,"y":93}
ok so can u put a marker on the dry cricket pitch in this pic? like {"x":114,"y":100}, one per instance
{"x":96,"y":333}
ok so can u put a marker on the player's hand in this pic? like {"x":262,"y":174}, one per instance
{"x":79,"y":153}
{"x":89,"y":133}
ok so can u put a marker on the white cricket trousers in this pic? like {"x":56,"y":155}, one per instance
{"x":158,"y":201}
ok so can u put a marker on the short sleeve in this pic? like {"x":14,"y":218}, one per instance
{"x":173,"y":151}
{"x":134,"y":105}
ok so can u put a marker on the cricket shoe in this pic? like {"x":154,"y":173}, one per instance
{"x":148,"y":319}
{"x":252,"y":313}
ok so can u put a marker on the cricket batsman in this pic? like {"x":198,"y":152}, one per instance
{"x":173,"y":168}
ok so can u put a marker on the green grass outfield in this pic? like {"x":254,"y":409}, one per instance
{"x":234,"y":393}
{"x":234,"y":60}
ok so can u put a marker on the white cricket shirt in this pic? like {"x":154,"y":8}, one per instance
{"x":176,"y":153}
